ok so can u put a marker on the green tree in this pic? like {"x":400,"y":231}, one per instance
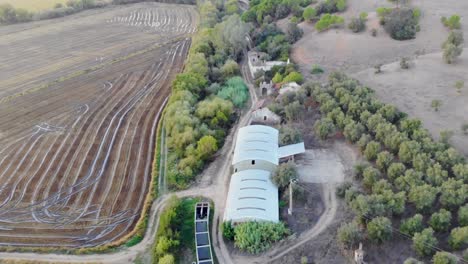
{"x":424,"y":242}
{"x":284,"y":174}
{"x":278,"y":78}
{"x":423,"y":196}
{"x":453,"y":46}
{"x":454,"y":193}
{"x":371,"y":151}
{"x":235,"y":90}
{"x":440,"y":221}
{"x":353,"y":131}
{"x":463,"y":215}
{"x":408,"y":150}
{"x":459,"y":238}
{"x":230,"y":69}
{"x":324,"y":128}
{"x":444,"y":258}
{"x":461,"y":171}
{"x":293,"y":110}
{"x":412,"y":225}
{"x":206,"y":147}
{"x":294,"y":77}
{"x":384,"y":159}
{"x":309,"y":13}
{"x":395,"y":170}
{"x":379,"y":229}
{"x":371,"y":175}
{"x":349,"y":234}
{"x":328,"y":21}
{"x":436,"y":175}
{"x":401,"y":24}
{"x":459,"y":85}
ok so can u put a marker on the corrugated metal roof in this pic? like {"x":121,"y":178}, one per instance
{"x":252,"y":196}
{"x":290,"y":150}
{"x":256,"y":143}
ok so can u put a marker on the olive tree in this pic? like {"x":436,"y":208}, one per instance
{"x":384,"y":159}
{"x":424,"y":242}
{"x":423,"y":196}
{"x":440,"y":221}
{"x":459,"y":237}
{"x":371,"y":151}
{"x":379,"y":229}
{"x":444,"y":258}
{"x":349,"y":234}
{"x":412,"y":225}
{"x":463,"y":215}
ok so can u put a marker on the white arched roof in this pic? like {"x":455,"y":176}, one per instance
{"x":256,"y":142}
{"x":252,"y":197}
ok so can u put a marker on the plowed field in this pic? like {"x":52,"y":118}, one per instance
{"x":80,"y":101}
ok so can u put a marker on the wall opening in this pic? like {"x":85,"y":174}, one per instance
{"x":253,"y":162}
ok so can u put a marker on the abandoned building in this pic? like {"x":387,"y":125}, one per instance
{"x":252,"y":195}
{"x":258,"y":63}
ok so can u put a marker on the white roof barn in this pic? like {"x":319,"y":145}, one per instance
{"x":252,"y":196}
{"x":256,"y":143}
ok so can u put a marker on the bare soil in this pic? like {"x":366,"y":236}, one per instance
{"x":413,"y":90}
{"x":341,"y":49}
{"x":76,"y":155}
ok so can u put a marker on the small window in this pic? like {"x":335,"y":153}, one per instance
{"x":235,"y":170}
{"x":264,"y":118}
{"x":253,"y":162}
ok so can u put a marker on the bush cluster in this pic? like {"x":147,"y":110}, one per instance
{"x":264,"y":11}
{"x":328,"y":21}
{"x":205,"y":96}
{"x":401,"y":24}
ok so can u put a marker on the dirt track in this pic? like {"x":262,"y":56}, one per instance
{"x":75,"y":157}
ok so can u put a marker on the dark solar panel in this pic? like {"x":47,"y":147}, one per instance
{"x":201,"y":227}
{"x":204,"y":253}
{"x":202,"y":239}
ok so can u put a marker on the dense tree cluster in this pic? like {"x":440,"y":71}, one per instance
{"x":263,"y":11}
{"x":410,"y":167}
{"x":205,"y":96}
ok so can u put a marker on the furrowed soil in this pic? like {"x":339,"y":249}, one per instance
{"x":80,"y":98}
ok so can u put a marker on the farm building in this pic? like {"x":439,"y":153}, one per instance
{"x":252,"y":195}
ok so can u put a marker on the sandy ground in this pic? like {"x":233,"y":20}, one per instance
{"x":413,"y":90}
{"x":320,"y":166}
{"x":341,"y":49}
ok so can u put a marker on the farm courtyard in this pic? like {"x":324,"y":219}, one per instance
{"x":81,"y":97}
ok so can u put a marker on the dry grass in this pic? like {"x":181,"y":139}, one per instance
{"x":33,"y":5}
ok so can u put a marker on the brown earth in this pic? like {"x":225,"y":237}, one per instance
{"x":80,"y":98}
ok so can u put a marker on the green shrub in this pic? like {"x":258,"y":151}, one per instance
{"x":412,"y":225}
{"x":424,"y":242}
{"x":379,"y":229}
{"x":316,"y":69}
{"x":309,"y":13}
{"x":463,"y":215}
{"x":228,"y":230}
{"x":453,"y":46}
{"x":349,"y":234}
{"x":440,"y":221}
{"x":444,"y":258}
{"x":324,"y":128}
{"x":459,"y":238}
{"x":452,"y":22}
{"x":401,"y":24}
{"x":255,"y":237}
{"x":328,"y":21}
{"x":357,"y":24}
